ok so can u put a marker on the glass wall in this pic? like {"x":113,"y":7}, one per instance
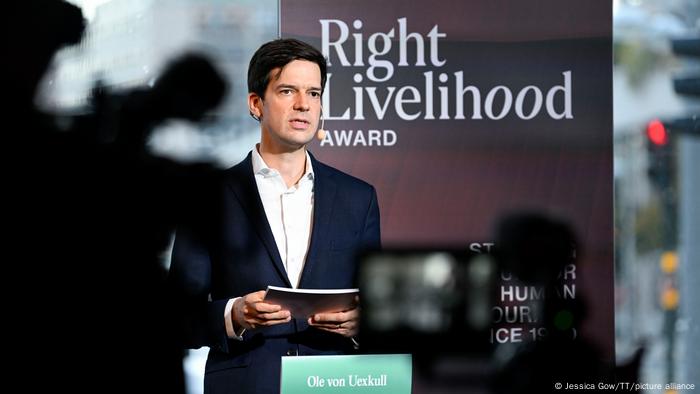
{"x":656,"y":165}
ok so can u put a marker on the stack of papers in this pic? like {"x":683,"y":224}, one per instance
{"x":302,"y":303}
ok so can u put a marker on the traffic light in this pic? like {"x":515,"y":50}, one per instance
{"x":670,"y":297}
{"x":659,"y":154}
{"x":669,"y":262}
{"x":688,"y":84}
{"x":657,"y":133}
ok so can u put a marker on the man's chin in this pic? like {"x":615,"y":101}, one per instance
{"x":295,"y":145}
{"x":301,"y":141}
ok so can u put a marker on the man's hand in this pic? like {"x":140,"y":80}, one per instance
{"x":250,"y":312}
{"x":345,"y":323}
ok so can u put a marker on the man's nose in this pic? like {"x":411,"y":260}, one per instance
{"x":301,"y":102}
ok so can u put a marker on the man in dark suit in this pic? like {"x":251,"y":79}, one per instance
{"x":280,"y":218}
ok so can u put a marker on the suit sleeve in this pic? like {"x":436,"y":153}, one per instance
{"x":371,"y":235}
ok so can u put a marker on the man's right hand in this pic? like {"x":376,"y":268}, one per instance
{"x":250,"y":311}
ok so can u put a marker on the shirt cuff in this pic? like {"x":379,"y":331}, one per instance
{"x":230,"y":331}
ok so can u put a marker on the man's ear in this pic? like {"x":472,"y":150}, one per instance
{"x":255,"y":104}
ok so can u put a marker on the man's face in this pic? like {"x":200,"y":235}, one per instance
{"x":291,"y":108}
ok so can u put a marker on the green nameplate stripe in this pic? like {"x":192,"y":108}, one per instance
{"x":381,"y":373}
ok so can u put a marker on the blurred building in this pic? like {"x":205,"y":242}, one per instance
{"x":127,"y":43}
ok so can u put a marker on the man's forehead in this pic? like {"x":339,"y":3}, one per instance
{"x":295,"y":75}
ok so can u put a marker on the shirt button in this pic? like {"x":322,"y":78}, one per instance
{"x":292,"y":352}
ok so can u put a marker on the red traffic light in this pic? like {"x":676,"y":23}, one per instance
{"x":656,"y":131}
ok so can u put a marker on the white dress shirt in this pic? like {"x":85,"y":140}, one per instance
{"x":289,"y":212}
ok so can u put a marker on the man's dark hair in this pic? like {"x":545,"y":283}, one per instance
{"x":277,"y":54}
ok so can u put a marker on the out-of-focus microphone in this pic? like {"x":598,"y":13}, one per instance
{"x":321,"y":133}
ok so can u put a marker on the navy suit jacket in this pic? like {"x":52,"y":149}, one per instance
{"x":236,"y":254}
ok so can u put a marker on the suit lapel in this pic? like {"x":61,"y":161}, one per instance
{"x":243,"y":185}
{"x":324,"y":195}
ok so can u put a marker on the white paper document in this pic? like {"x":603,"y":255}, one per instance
{"x":302,"y":303}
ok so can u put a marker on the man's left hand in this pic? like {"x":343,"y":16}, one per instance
{"x":345,"y":323}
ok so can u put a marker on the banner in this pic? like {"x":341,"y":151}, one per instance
{"x":462,"y":112}
{"x":388,"y":373}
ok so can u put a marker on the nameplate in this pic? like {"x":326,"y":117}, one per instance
{"x":382,"y":373}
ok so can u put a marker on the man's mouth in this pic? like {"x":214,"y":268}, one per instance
{"x":299,"y":124}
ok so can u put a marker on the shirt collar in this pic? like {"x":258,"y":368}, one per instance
{"x":261,"y":168}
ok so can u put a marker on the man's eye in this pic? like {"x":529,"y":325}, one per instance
{"x":315,"y":94}
{"x":286,"y":92}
